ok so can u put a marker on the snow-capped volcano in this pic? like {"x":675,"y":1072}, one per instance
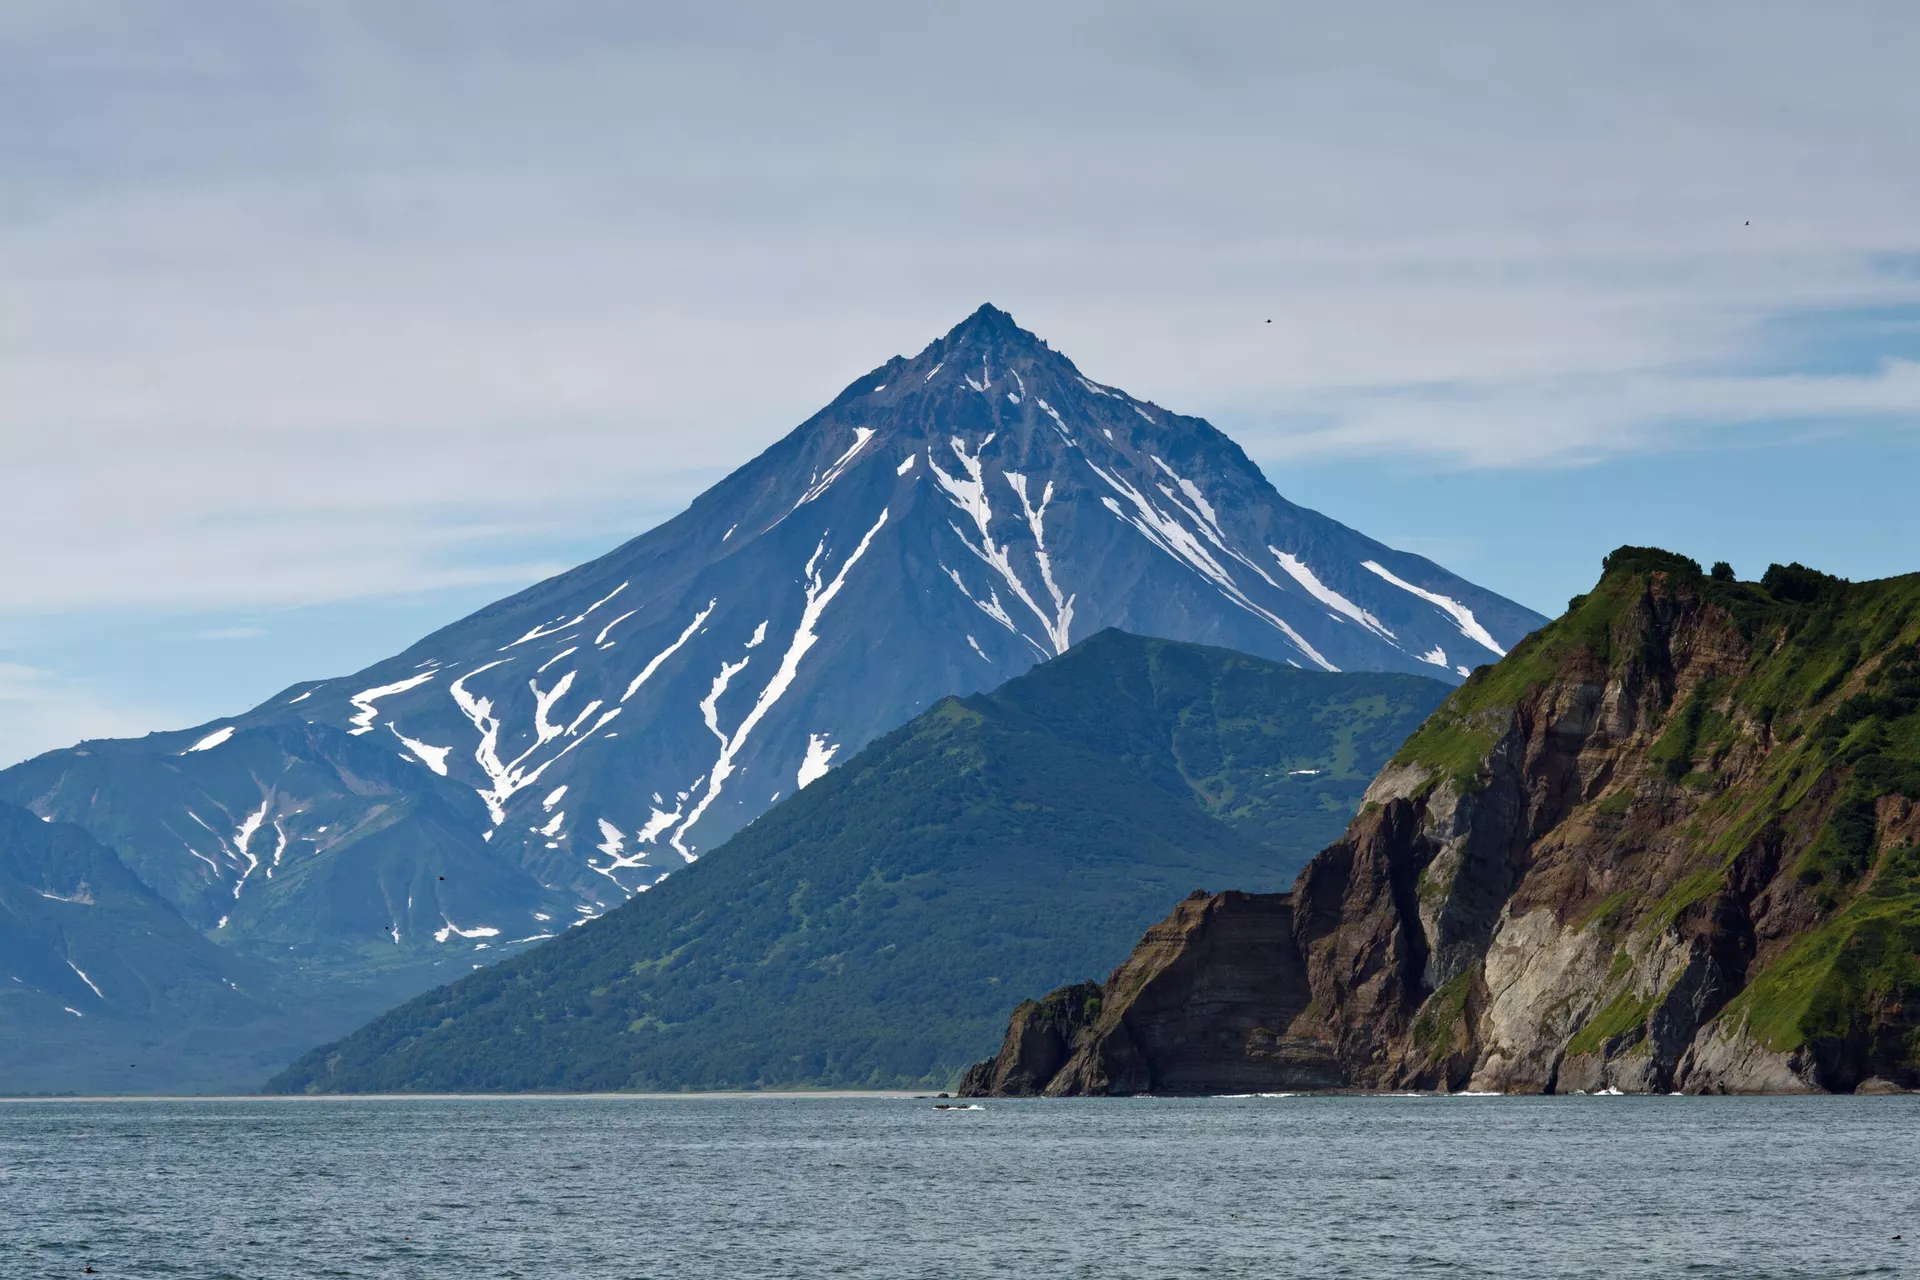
{"x":949,"y":520}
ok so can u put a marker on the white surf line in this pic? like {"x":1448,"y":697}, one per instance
{"x":555,"y":628}
{"x":1462,"y":616}
{"x":1297,"y":569}
{"x":211,"y":741}
{"x":542,"y":668}
{"x":1173,"y":538}
{"x":820,"y":594}
{"x":84,"y":978}
{"x":435,"y":758}
{"x":1062,"y":623}
{"x":970,"y":496}
{"x":839,"y":468}
{"x":646,"y":672}
{"x":244,"y":836}
{"x":362,"y":720}
{"x":820,"y":754}
{"x":600,"y":641}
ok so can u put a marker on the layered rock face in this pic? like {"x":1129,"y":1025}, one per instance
{"x":1669,"y":844}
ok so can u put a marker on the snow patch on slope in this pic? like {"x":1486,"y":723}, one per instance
{"x":839,"y":468}
{"x":819,"y":594}
{"x":1462,"y":616}
{"x":362,"y":720}
{"x":820,"y":755}
{"x":435,"y":758}
{"x":1297,"y":569}
{"x":968,"y":492}
{"x":1177,"y":541}
{"x":93,"y":986}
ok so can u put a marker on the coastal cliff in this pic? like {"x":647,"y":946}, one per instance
{"x":1669,"y":843}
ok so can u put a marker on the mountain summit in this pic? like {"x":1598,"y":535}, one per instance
{"x":948,"y":521}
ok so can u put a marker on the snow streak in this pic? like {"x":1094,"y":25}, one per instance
{"x":646,"y":673}
{"x":555,"y":628}
{"x":1462,"y":616}
{"x":969,"y":493}
{"x":1298,"y":570}
{"x":362,"y":720}
{"x":839,"y":468}
{"x":820,"y":593}
{"x":84,"y":978}
{"x":507,"y":777}
{"x":1173,"y":538}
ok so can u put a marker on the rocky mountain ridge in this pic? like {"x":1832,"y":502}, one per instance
{"x":1670,"y":843}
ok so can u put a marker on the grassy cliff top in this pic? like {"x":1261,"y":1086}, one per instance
{"x":1821,"y":656}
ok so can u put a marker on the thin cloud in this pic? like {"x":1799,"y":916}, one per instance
{"x":312,"y":303}
{"x":41,"y":710}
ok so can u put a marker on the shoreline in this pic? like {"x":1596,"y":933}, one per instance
{"x":771,"y":1094}
{"x":792,"y":1095}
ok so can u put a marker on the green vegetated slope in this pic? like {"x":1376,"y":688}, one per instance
{"x":1781,"y":794}
{"x":872,"y":929}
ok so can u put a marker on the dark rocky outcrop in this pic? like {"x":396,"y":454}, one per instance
{"x":1671,"y":842}
{"x":1040,"y":1039}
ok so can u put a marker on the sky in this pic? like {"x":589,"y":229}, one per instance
{"x":323,"y":324}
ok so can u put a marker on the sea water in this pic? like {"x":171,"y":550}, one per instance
{"x":583,"y":1188}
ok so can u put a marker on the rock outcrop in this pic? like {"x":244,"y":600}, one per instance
{"x":1670,"y":843}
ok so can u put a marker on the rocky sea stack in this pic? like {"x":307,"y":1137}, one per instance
{"x":1670,"y":843}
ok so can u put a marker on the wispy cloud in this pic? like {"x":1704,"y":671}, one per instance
{"x":40,"y":710}
{"x":318,"y":302}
